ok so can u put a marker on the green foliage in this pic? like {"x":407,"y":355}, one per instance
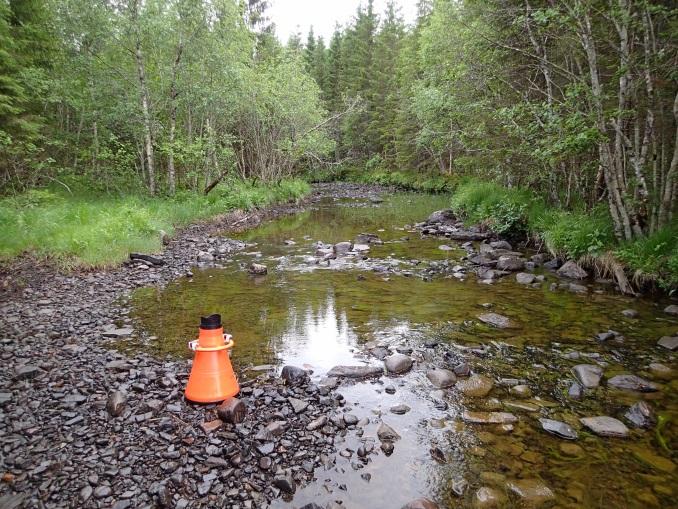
{"x":574,"y":234}
{"x":654,"y":257}
{"x":96,"y":231}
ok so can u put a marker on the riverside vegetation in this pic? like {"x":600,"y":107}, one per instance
{"x":574,"y":103}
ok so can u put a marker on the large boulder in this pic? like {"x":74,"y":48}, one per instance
{"x":572,"y":270}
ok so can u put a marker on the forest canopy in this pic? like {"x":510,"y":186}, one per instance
{"x":576,"y":100}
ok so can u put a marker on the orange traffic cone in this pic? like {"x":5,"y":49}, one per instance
{"x":212,"y":378}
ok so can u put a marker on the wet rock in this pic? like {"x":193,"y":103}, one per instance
{"x":285,"y":483}
{"x":656,"y":368}
{"x":445,"y":247}
{"x":350,"y":419}
{"x":495,"y":320}
{"x":669,"y":342}
{"x":605,"y":426}
{"x":368,"y":238}
{"x":488,"y":498}
{"x":355,"y":371}
{"x":571,"y":450}
{"x":521,"y":391}
{"x":501,"y":244}
{"x":510,"y":263}
{"x":465,"y":235}
{"x":361,"y":248}
{"x":232,"y":410}
{"x":257,"y":269}
{"x":671,"y":310}
{"x":632,"y":383}
{"x":588,"y":375}
{"x":204,"y":257}
{"x":341,"y":248}
{"x":575,"y":392}
{"x":386,"y":433}
{"x":572,"y":270}
{"x":575,"y":288}
{"x":115,"y":405}
{"x":559,"y":429}
{"x":630,"y":313}
{"x":462,"y":369}
{"x":390,"y":389}
{"x":298,"y":405}
{"x":387,"y":447}
{"x":441,"y":378}
{"x":641,"y":415}
{"x":459,"y":487}
{"x":294,"y":375}
{"x":532,"y":492}
{"x":398,"y":363}
{"x":488,"y":417}
{"x":525,"y":278}
{"x":421,"y":503}
{"x":400,"y":409}
{"x":477,"y":386}
{"x":380,"y":352}
{"x":26,"y":372}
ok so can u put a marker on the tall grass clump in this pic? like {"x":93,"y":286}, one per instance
{"x":102,"y":230}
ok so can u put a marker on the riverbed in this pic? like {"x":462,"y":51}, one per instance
{"x":400,"y":295}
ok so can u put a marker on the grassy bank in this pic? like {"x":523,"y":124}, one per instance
{"x":78,"y":230}
{"x":577,"y":234}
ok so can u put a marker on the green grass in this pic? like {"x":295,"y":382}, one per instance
{"x":102,"y":231}
{"x":654,"y":258}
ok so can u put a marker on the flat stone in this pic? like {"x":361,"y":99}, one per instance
{"x":521,"y":391}
{"x":386,"y":433}
{"x":588,"y":375}
{"x":26,"y":372}
{"x":510,"y":263}
{"x":525,"y":278}
{"x":355,"y":371}
{"x":488,"y":417}
{"x":632,"y":383}
{"x":572,"y":270}
{"x":571,"y":450}
{"x":521,"y":406}
{"x":476,"y":386}
{"x":398,"y":363}
{"x":210,"y":426}
{"x":671,"y":310}
{"x":441,"y":378}
{"x":232,"y":410}
{"x":641,"y":415}
{"x":605,"y":426}
{"x":532,"y":492}
{"x":495,"y":320}
{"x":669,"y":342}
{"x":559,"y":429}
{"x":298,"y":405}
{"x":575,"y":392}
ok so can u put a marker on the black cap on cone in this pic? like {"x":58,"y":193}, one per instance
{"x":210,"y":322}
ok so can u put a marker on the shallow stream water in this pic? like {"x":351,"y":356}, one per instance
{"x":318,"y":316}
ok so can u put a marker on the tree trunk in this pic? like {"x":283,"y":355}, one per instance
{"x":171,"y":174}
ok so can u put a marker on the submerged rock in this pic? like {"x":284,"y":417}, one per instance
{"x":488,"y":498}
{"x":641,"y":415}
{"x":477,"y":386}
{"x":495,"y":320}
{"x":355,"y":371}
{"x":532,"y":492}
{"x":421,"y":503}
{"x":588,"y":375}
{"x":559,"y":429}
{"x":572,"y":270}
{"x":671,"y":310}
{"x":398,"y":363}
{"x":669,"y":342}
{"x":632,"y":383}
{"x":605,"y":426}
{"x":525,"y":278}
{"x":488,"y":417}
{"x":441,"y":378}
